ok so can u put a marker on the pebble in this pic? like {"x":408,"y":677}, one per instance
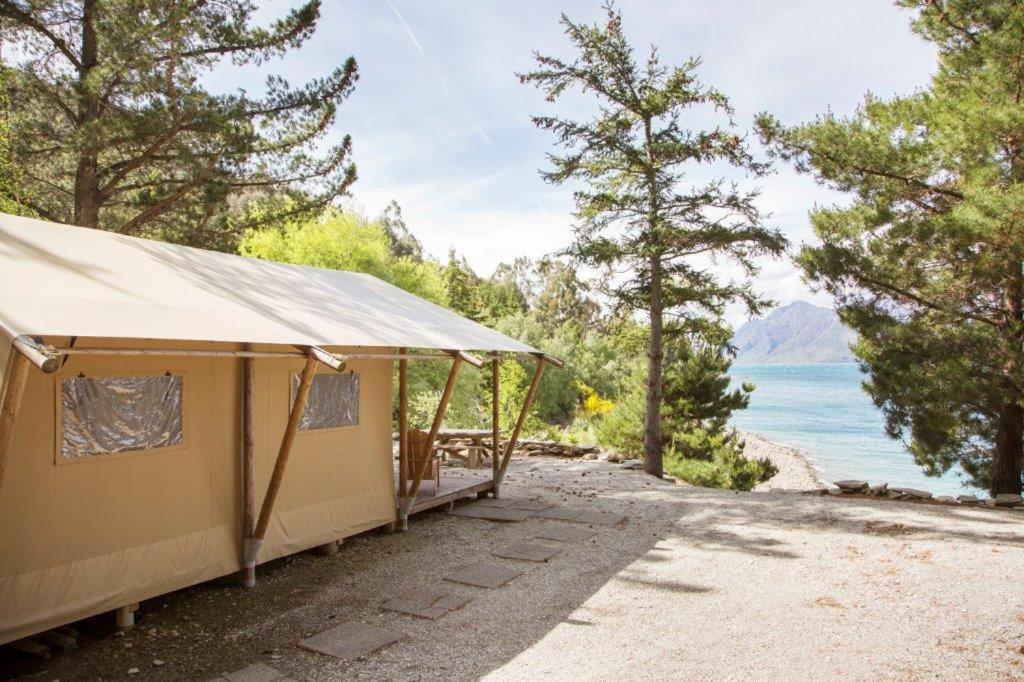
{"x":157,"y":662}
{"x":133,"y":671}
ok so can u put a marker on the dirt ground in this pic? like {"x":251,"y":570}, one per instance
{"x":695,"y":583}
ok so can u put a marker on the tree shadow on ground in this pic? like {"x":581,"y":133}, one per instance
{"x":209,"y":629}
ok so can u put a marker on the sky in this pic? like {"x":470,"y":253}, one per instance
{"x":441,"y":124}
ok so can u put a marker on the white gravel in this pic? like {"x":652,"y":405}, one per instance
{"x":696,"y":584}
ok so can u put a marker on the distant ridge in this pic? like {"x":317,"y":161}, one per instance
{"x":799,"y":333}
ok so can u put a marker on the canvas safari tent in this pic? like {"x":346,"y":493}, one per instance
{"x":169,"y":415}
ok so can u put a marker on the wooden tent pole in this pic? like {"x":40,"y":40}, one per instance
{"x":403,"y":434}
{"x":39,"y":354}
{"x":495,"y":424}
{"x":14,"y":391}
{"x":527,"y":403}
{"x":248,"y":463}
{"x":428,"y":446}
{"x":283,"y":453}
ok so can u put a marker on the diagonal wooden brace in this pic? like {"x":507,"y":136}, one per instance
{"x":252,"y":545}
{"x":525,"y":410}
{"x":428,"y":446}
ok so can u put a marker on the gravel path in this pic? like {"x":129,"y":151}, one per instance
{"x":696,"y":583}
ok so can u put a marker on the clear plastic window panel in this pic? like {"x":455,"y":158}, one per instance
{"x":333,"y":401}
{"x":119,"y":414}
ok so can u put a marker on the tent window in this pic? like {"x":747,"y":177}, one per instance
{"x":119,"y":414}
{"x":333,"y":401}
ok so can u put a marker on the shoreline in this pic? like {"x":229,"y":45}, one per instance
{"x":796,"y":469}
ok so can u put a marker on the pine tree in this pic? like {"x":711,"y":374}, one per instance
{"x":635,"y":211}
{"x":697,"y":387}
{"x":926,"y":262}
{"x":117,"y":131}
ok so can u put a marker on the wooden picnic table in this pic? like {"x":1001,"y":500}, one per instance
{"x":473,"y":451}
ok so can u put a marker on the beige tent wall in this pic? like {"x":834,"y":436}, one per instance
{"x":81,"y":538}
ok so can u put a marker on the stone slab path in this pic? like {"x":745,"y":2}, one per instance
{"x":350,"y":640}
{"x":426,"y":602}
{"x":528,"y":551}
{"x":474,"y":511}
{"x":564,"y":533}
{"x":483,"y":574}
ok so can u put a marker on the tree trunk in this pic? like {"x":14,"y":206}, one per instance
{"x":652,"y":416}
{"x":87,"y":191}
{"x":1008,"y":456}
{"x":1009,"y":450}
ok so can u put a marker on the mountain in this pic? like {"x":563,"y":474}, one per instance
{"x":798,"y":333}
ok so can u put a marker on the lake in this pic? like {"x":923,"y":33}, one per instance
{"x":823,"y":410}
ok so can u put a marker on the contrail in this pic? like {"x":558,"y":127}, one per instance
{"x":466,"y":116}
{"x":408,"y":30}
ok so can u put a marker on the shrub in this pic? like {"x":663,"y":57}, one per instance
{"x":715,"y":460}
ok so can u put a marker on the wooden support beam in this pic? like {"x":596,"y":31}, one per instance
{"x":285,"y":451}
{"x":466,"y":357}
{"x":550,"y":359}
{"x":495,"y":423}
{"x":428,"y":445}
{"x":199,"y":353}
{"x":46,"y":358}
{"x":335,"y":362}
{"x":10,"y":405}
{"x":403,"y":435}
{"x":124,"y":616}
{"x":525,"y":410}
{"x":248,"y":465}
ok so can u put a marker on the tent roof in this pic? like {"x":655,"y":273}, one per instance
{"x":59,"y":280}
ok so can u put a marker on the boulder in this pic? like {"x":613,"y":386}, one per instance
{"x":947,"y":499}
{"x":852,"y":486}
{"x":614,"y":457}
{"x":633,"y":464}
{"x":914,"y":493}
{"x":880,"y":489}
{"x":968,"y":499}
{"x":1004,"y":500}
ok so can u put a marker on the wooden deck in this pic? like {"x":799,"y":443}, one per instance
{"x":453,"y":487}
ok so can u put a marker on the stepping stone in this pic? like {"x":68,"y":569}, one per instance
{"x":565,"y":534}
{"x":592,"y":517}
{"x":257,"y":672}
{"x":529,"y":505}
{"x":528,"y":551}
{"x":474,"y":511}
{"x":483,"y":574}
{"x":492,"y":502}
{"x":350,"y":640}
{"x":427,"y":602}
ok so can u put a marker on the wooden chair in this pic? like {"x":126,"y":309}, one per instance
{"x":417,"y":452}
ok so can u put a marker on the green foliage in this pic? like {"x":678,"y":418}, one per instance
{"x":926,"y":262}
{"x":715,"y":460}
{"x":12,"y":190}
{"x":622,"y":429}
{"x":119,"y":133}
{"x":696,"y":384}
{"x":637,"y":210}
{"x":403,"y":242}
{"x":345,"y":241}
